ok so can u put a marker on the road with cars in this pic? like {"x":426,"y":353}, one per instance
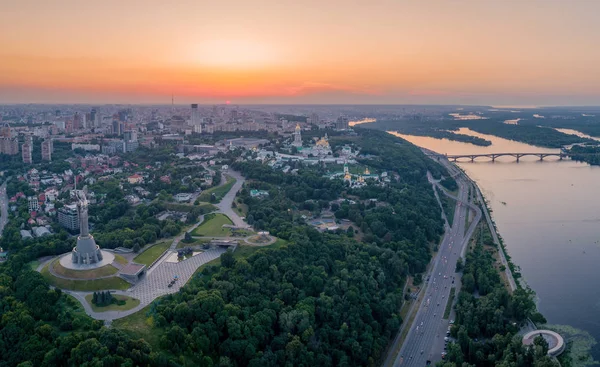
{"x":425,"y":339}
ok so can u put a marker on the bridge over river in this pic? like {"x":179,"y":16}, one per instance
{"x":541,"y":155}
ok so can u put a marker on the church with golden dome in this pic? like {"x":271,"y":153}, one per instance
{"x":320,"y":149}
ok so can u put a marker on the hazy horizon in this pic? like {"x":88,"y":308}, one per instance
{"x":540,"y":53}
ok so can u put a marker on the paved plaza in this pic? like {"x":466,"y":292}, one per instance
{"x":154,"y":284}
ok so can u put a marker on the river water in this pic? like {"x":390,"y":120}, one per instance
{"x":550,"y":225}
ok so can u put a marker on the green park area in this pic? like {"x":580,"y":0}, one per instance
{"x":141,"y":324}
{"x":121,"y":260}
{"x":129,"y":304}
{"x":219,"y":191}
{"x":213,"y":226}
{"x":102,"y":271}
{"x":152,"y":253}
{"x":85,"y":284}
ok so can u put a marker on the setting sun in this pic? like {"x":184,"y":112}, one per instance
{"x":233,"y":54}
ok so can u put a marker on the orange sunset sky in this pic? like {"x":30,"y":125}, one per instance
{"x":378,"y":51}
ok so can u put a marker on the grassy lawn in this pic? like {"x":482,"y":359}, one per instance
{"x":449,"y":206}
{"x":138,"y":325}
{"x":85,"y":285}
{"x":213,"y":226}
{"x":219,"y":191}
{"x":241,"y":209}
{"x":34,"y":264}
{"x":129,"y":303}
{"x":149,"y":255}
{"x":103,"y":271}
{"x":120,"y":259}
{"x":449,"y":304}
{"x":207,"y":207}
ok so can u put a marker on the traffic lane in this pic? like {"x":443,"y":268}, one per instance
{"x":418,"y":337}
{"x":433,"y":315}
{"x":425,"y":327}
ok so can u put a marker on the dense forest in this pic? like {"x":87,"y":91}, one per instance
{"x":488,"y":318}
{"x":322,"y":300}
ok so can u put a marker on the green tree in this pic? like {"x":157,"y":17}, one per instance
{"x":227,"y":259}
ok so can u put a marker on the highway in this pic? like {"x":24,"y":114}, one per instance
{"x":425,"y":339}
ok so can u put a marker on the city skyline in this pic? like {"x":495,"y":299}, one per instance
{"x":384,"y":52}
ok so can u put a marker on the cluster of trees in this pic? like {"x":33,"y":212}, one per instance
{"x":586,"y":153}
{"x":436,"y":129}
{"x":321,"y":300}
{"x":136,"y":227}
{"x":488,"y":318}
{"x":449,"y":183}
{"x":104,"y":298}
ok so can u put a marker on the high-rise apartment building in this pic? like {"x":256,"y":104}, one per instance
{"x":27,"y":151}
{"x":117,"y":127}
{"x":47,"y":149}
{"x":77,"y":122}
{"x":93,"y":118}
{"x":68,"y":217}
{"x":341,"y":123}
{"x":8,"y":144}
{"x":314,"y":119}
{"x":131,"y":140}
{"x":195,"y":120}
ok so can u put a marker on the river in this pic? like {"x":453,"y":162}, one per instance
{"x":550,"y":225}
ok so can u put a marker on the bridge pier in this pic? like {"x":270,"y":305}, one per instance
{"x":472,"y":159}
{"x":518,"y":157}
{"x":493,"y":158}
